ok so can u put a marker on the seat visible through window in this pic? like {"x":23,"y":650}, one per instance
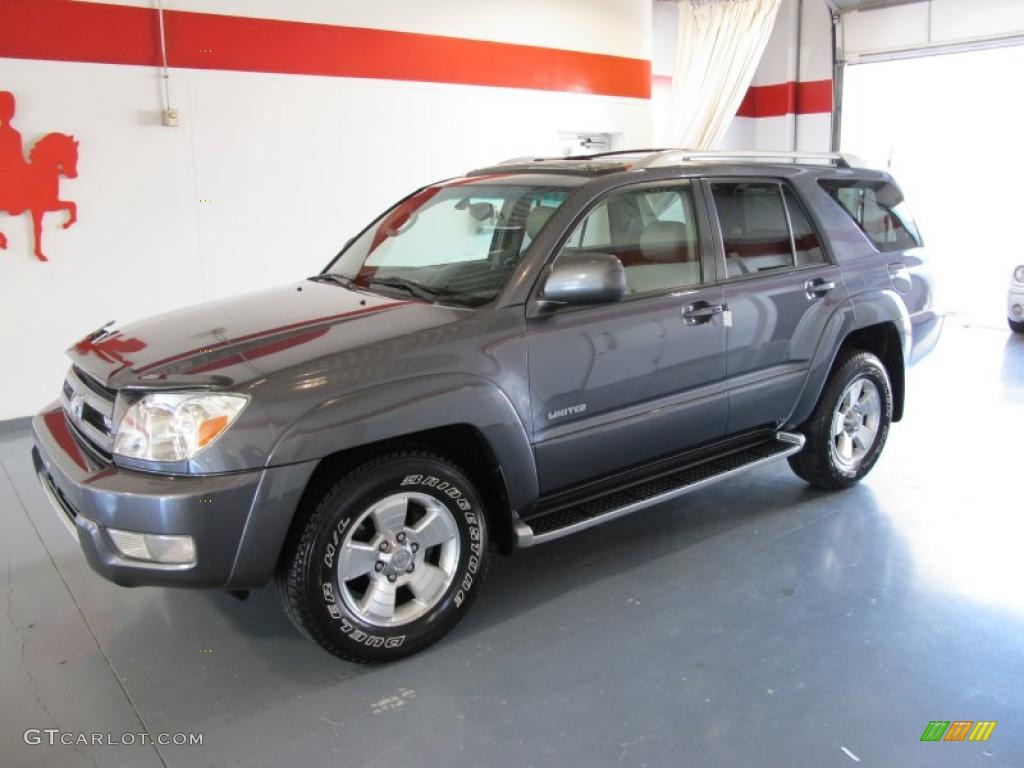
{"x":651,"y":231}
{"x":755,"y":230}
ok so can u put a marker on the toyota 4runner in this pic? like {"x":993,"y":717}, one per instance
{"x":497,"y":361}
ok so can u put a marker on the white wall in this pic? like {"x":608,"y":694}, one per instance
{"x":779,"y":64}
{"x":291,"y":166}
{"x":664,"y":42}
{"x":810,"y":23}
{"x":607,"y":26}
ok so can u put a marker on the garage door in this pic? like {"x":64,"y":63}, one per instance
{"x":940,"y":112}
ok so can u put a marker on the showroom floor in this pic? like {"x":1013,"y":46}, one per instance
{"x":757,"y":623}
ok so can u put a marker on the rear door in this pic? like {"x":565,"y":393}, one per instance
{"x":780,"y":287}
{"x":616,"y":385}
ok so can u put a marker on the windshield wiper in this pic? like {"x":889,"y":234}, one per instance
{"x":333,"y":277}
{"x":410,"y":286}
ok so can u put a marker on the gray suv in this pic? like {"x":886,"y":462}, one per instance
{"x":497,"y":361}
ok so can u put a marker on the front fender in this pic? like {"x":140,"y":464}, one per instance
{"x":414,"y":405}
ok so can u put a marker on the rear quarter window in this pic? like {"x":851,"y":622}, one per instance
{"x":878,"y":208}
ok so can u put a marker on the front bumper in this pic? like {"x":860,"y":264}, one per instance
{"x":1015,"y":298}
{"x":238,"y":520}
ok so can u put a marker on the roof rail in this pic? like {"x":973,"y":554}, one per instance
{"x":661,"y":158}
{"x":523,"y":159}
{"x":617,"y":152}
{"x":676,"y":156}
{"x":595,"y":156}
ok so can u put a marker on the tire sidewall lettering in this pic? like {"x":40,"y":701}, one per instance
{"x":459,"y":504}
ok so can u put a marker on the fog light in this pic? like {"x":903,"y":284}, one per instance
{"x":1017,"y":310}
{"x":154,"y":547}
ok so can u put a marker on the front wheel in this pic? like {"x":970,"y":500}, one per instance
{"x":1017,"y":326}
{"x":389,"y":560}
{"x":849,"y":425}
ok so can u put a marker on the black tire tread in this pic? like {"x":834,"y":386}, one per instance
{"x":289,"y":573}
{"x":812,"y":463}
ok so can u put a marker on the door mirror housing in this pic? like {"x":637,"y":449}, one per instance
{"x":585,"y":278}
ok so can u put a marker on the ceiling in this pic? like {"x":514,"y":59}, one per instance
{"x":860,"y":5}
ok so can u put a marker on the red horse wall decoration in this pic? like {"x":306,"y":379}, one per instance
{"x":34,"y":185}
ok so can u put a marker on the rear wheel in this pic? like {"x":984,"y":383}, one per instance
{"x":389,"y":560}
{"x":1017,"y":326}
{"x":849,"y":426}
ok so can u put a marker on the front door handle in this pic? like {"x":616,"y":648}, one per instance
{"x":818,"y":287}
{"x":701,"y":312}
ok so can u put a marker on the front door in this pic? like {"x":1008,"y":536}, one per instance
{"x":780,"y":289}
{"x":619,"y":384}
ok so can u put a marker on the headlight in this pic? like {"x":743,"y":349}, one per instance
{"x":175,"y":426}
{"x":1018,"y":274}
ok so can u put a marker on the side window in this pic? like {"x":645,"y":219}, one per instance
{"x":808,"y":246}
{"x":652,"y":231}
{"x":755,"y":229}
{"x":878,"y":208}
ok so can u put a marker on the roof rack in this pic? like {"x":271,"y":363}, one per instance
{"x":676,"y":156}
{"x":660,"y":158}
{"x":618,"y":152}
{"x":525,"y":159}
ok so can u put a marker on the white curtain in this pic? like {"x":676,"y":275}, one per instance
{"x":720,"y":45}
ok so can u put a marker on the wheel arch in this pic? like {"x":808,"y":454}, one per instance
{"x":883,"y":341}
{"x":468,"y":420}
{"x":876,"y":322}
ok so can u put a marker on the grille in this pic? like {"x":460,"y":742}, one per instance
{"x":94,"y":384}
{"x":66,"y":506}
{"x":89,"y":406}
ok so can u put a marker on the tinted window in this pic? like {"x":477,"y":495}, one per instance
{"x":755,"y":229}
{"x":878,"y":208}
{"x":653,"y":233}
{"x":808,"y":246}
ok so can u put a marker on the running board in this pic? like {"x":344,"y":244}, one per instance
{"x":586,"y":514}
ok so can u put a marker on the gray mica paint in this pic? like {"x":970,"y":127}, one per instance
{"x":329,"y":368}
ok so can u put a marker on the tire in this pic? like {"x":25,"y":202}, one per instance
{"x":355,"y":578}
{"x":1017,"y":326}
{"x":835,"y":460}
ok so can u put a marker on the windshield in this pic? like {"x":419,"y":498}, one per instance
{"x":453,"y":242}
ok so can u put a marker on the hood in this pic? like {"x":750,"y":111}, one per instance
{"x":226,"y":342}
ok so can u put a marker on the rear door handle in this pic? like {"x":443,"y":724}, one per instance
{"x":701,"y":312}
{"x":818,"y":287}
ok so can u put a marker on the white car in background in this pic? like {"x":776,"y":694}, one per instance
{"x":1015,"y":301}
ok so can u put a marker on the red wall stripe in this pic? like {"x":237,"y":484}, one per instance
{"x":116,"y":34}
{"x":805,"y":98}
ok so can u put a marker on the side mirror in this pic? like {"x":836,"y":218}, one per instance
{"x":585,"y":278}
